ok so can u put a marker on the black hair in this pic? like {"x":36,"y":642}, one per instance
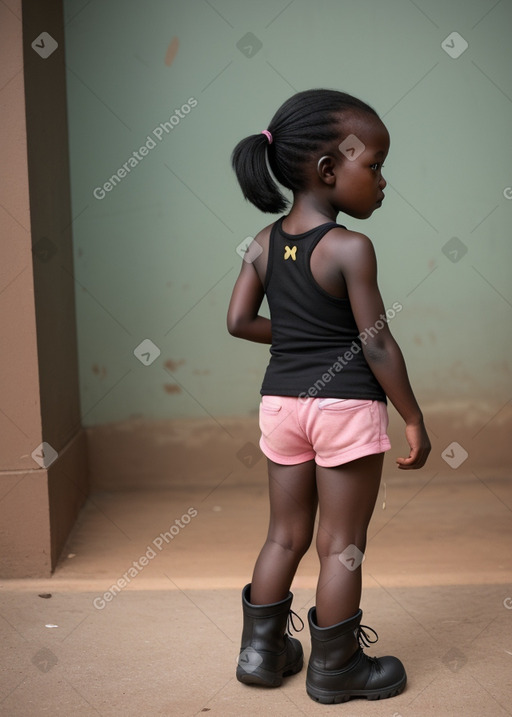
{"x":303,"y":125}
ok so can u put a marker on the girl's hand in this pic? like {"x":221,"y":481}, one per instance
{"x":419,"y":443}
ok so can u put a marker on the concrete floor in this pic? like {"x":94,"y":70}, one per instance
{"x":437,"y":588}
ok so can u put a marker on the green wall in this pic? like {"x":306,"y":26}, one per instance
{"x":155,"y":257}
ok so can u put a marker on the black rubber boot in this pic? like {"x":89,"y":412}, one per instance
{"x":339,"y":670}
{"x":267,"y":653}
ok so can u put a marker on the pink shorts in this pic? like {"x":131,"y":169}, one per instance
{"x":330,"y":430}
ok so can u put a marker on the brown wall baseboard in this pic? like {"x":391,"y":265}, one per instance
{"x":205,"y":452}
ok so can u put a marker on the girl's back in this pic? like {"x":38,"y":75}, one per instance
{"x":316,"y":349}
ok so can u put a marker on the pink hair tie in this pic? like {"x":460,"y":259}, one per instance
{"x":268,"y":136}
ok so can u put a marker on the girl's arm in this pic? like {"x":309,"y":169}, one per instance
{"x":243,"y":319}
{"x":359,"y":266}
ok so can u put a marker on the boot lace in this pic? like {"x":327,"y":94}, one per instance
{"x":290,"y":623}
{"x":364,"y":638}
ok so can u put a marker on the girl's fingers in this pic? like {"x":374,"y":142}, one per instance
{"x":410,"y":461}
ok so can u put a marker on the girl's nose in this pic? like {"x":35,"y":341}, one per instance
{"x":382,"y":182}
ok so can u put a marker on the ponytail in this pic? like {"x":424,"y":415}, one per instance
{"x":249,"y":160}
{"x":306,"y":124}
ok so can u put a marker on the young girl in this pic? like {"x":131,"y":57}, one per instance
{"x":323,"y":414}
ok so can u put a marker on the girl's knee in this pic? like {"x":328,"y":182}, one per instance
{"x":290,"y":542}
{"x":329,"y":543}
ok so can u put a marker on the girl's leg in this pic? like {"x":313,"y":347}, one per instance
{"x":293,"y":504}
{"x":347,"y":496}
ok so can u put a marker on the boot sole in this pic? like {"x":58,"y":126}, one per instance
{"x":264,"y":678}
{"x":329,"y":698}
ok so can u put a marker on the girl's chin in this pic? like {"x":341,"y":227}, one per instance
{"x":359,"y":215}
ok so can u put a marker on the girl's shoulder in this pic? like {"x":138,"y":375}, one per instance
{"x":263,"y":236}
{"x":350,"y":252}
{"x":342,"y":242}
{"x":260,"y":252}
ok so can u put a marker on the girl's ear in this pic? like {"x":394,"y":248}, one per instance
{"x":325,"y":169}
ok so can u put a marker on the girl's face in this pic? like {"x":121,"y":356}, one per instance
{"x":358,"y":190}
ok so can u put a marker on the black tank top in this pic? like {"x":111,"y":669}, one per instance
{"x":316,"y":350}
